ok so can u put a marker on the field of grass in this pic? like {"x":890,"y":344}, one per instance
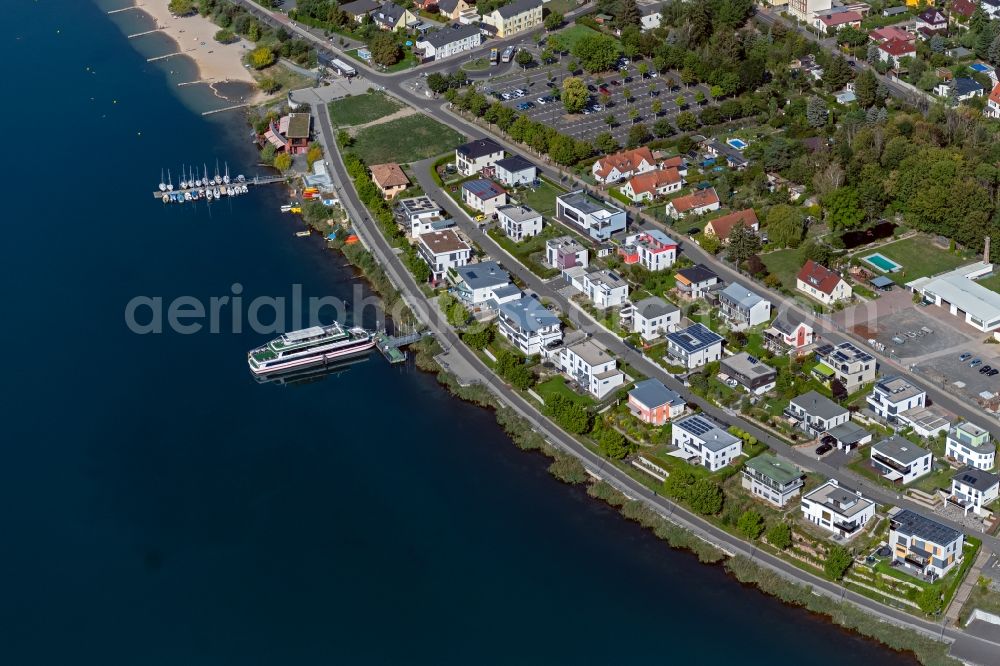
{"x":919,"y":258}
{"x":286,"y":78}
{"x":403,"y":140}
{"x":785,"y":264}
{"x":557,"y":386}
{"x":361,"y":109}
{"x":571,"y":35}
{"x":524,"y":250}
{"x":541,"y":198}
{"x":992,"y":282}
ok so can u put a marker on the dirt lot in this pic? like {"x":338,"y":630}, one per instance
{"x":909,"y":326}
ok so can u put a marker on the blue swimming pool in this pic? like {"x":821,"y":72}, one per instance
{"x":882,"y":262}
{"x":738,"y":144}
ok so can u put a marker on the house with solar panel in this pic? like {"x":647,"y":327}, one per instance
{"x":972,"y":489}
{"x":772,"y":479}
{"x":750,"y":372}
{"x":704,"y":441}
{"x":923,"y":545}
{"x":838,"y":509}
{"x":605,"y":288}
{"x":743,"y":308}
{"x":846,"y":362}
{"x":694,"y":346}
{"x":483,"y":195}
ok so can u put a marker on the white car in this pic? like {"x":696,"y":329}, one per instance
{"x":506,"y":96}
{"x":597,"y":107}
{"x":541,"y":101}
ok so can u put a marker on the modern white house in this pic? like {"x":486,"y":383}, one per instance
{"x":973,"y":489}
{"x":821,"y":283}
{"x":851,"y":365}
{"x":805,"y":10}
{"x":566,"y":252}
{"x":652,"y":249}
{"x":816,"y":414}
{"x":840,"y":510}
{"x":849,"y":436}
{"x":743,"y":308}
{"x":892,"y":396}
{"x":483,"y":195}
{"x":605,"y":288}
{"x":526,"y":324}
{"x":474,"y":156}
{"x":696,"y":281}
{"x":596,"y":219}
{"x":519,"y":222}
{"x":899,"y":459}
{"x":477,"y":284}
{"x":924,"y":545}
{"x":443,"y":250}
{"x":420,"y":215}
{"x":705,"y":441}
{"x":694,"y":346}
{"x":448,"y":41}
{"x":591,"y":367}
{"x":653,"y":317}
{"x":749,"y":372}
{"x":969,"y":444}
{"x":515,"y":170}
{"x":772,"y":479}
{"x":958,"y":291}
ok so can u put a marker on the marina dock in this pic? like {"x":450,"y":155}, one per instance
{"x":390,"y":346}
{"x":219,"y":189}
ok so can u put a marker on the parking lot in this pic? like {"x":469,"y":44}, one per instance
{"x":542,"y":80}
{"x":904,"y":333}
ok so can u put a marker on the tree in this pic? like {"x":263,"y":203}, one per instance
{"x":553,"y":21}
{"x":282,"y":162}
{"x":699,"y":97}
{"x":929,"y":599}
{"x":637,"y":135}
{"x":656,"y":107}
{"x":568,"y":414}
{"x":613,"y":443}
{"x":785,"y":225}
{"x":574,"y":94}
{"x":225,"y":36}
{"x":837,"y":562}
{"x":267,"y":154}
{"x":627,"y":94}
{"x":816,"y":112}
{"x":269,"y":85}
{"x":678,"y":484}
{"x":596,"y":53}
{"x":524,"y":58}
{"x":662,"y":128}
{"x":837,"y":73}
{"x":680,"y":101}
{"x":605,"y":143}
{"x":843,"y":208}
{"x":385,"y":50}
{"x":628,"y":14}
{"x":314,"y":154}
{"x":438,"y":83}
{"x":710,"y":243}
{"x":633,"y":115}
{"x":705,"y":497}
{"x":478,"y":336}
{"x":865,"y":87}
{"x":610,"y":120}
{"x":687,"y":121}
{"x":750,"y":524}
{"x":344,"y":139}
{"x":181,"y":7}
{"x":742,"y":243}
{"x":261,"y":57}
{"x":779,"y":535}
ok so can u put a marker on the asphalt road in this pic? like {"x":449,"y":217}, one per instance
{"x":593,"y":462}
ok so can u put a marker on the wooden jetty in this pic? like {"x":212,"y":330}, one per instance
{"x":256,"y":180}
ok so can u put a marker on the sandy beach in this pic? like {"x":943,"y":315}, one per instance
{"x":195,"y":35}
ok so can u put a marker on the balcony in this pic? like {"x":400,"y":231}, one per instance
{"x":891,"y":464}
{"x":847,"y":528}
{"x":917,"y":559}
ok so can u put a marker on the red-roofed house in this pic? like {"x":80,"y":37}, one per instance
{"x":825,"y":22}
{"x":992,"y":109}
{"x":821,"y":283}
{"x":676,"y":162}
{"x":657,"y":183}
{"x":961,"y":11}
{"x":696,"y":203}
{"x":889,"y":32}
{"x":622,"y":165}
{"x":894,"y":50}
{"x":721,"y":227}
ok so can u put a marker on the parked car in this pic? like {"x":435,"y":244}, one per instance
{"x":993,"y":372}
{"x":506,"y":96}
{"x":542,"y":101}
{"x":597,"y":107}
{"x":975,"y":362}
{"x":983,"y":370}
{"x":823,"y":448}
{"x":592,"y":88}
{"x":616,"y":82}
{"x":524,"y":106}
{"x":964,"y":357}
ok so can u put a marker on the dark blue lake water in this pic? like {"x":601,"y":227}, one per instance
{"x":159,"y":506}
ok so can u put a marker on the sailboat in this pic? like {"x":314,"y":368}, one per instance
{"x":205,"y":180}
{"x":218,"y":178}
{"x":184,"y":182}
{"x":225,"y":178}
{"x":163,"y":185}
{"x":170,"y":181}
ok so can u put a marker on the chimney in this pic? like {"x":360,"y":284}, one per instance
{"x":986,"y":250}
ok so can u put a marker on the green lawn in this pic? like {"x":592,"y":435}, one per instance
{"x":361,"y":109}
{"x":405,"y":140}
{"x":992,"y":282}
{"x":541,"y":198}
{"x":785,"y":264}
{"x":524,"y":250}
{"x":557,"y":386}
{"x":919,"y":258}
{"x":477,"y":65}
{"x":574,"y":33}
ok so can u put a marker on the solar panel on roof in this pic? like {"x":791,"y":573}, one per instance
{"x":698,"y":425}
{"x":823,"y":350}
{"x":752,"y":360}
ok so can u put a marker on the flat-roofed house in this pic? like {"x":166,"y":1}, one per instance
{"x":972,"y":489}
{"x":653,"y":317}
{"x":899,"y":459}
{"x":519,"y":222}
{"x":591,"y":367}
{"x":742,"y":308}
{"x":443,"y":250}
{"x":419,"y":214}
{"x":892,"y":396}
{"x":971,"y":445}
{"x":652,"y":402}
{"x":851,"y":365}
{"x":749,"y":372}
{"x":694,"y":346}
{"x":528,"y":325}
{"x":958,"y":291}
{"x":596,"y":219}
{"x":840,"y":510}
{"x":772,"y":479}
{"x":605,"y":288}
{"x":705,"y":441}
{"x":652,"y":249}
{"x":566,"y":252}
{"x":924,"y":545}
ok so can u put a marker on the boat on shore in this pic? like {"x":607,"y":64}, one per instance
{"x":310,"y":346}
